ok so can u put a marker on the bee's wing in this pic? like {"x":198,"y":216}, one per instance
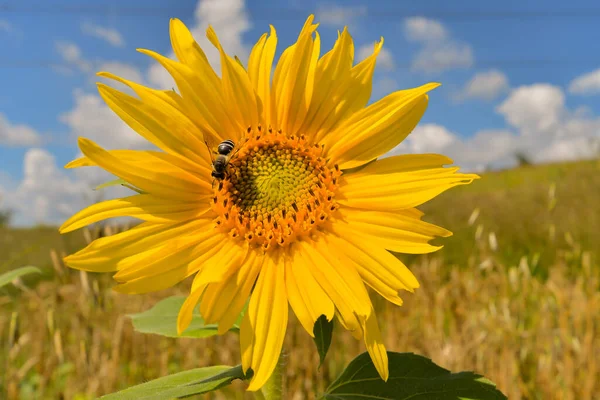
{"x":237,"y":146}
{"x":212,"y":148}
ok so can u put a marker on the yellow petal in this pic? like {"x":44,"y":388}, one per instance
{"x":268,"y":315}
{"x":240,"y":99}
{"x":190,"y":53}
{"x":293,"y":82}
{"x":163,"y":180}
{"x":378,"y":128}
{"x":398,"y":231}
{"x":246,"y":342}
{"x":376,"y":266}
{"x":102,"y":254}
{"x":184,"y":317}
{"x":332,"y":77}
{"x":175,"y":252}
{"x":143,"y":206}
{"x":147,"y":159}
{"x":227,"y":297}
{"x":230,"y":257}
{"x":308,"y":300}
{"x":202,"y":257}
{"x":350,"y":96}
{"x":245,"y":283}
{"x":375,"y":347}
{"x":341,"y":282}
{"x":260,"y":65}
{"x":378,"y":187}
{"x":403,"y":163}
{"x":154,"y":117}
{"x":147,"y":235}
{"x":204,"y":104}
{"x":353,"y":325}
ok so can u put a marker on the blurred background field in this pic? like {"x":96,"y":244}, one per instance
{"x":514,"y":295}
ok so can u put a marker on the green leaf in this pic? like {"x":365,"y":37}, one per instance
{"x":182,"y":384}
{"x":10,"y":276}
{"x":162,"y":320}
{"x":411,"y":377}
{"x":322,"y":330}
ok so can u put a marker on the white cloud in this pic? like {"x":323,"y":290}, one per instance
{"x":544,"y":129}
{"x":443,"y":56}
{"x":337,"y":16}
{"x":17,"y":135}
{"x":420,"y":29}
{"x":71,"y":54}
{"x":230,"y":20}
{"x":385,"y":60}
{"x":5,"y":26}
{"x":109,"y":35}
{"x":46,"y":194}
{"x":440,"y":51}
{"x":586,"y":84}
{"x":49,"y":194}
{"x":485,"y":85}
{"x":91,"y":118}
{"x":74,"y":58}
{"x":427,"y":138}
{"x":534,"y":109}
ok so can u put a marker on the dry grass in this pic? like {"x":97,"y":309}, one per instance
{"x":536,"y":337}
{"x":68,"y":338}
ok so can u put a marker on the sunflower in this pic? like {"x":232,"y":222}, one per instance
{"x":305,"y":214}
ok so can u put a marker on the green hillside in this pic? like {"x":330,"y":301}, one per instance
{"x":536,"y":211}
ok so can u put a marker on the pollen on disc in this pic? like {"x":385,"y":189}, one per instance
{"x":278,"y":188}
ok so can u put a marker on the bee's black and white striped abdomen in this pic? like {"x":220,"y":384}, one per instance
{"x":225,"y":147}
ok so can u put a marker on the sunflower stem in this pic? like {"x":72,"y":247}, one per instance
{"x":273,"y":388}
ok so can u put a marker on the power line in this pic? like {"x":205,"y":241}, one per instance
{"x":504,"y":63}
{"x":297,"y":13}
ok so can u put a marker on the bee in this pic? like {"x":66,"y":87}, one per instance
{"x":223,"y":155}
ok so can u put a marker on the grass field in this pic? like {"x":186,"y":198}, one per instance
{"x":513,"y":295}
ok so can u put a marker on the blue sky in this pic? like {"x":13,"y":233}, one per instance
{"x":515,"y":77}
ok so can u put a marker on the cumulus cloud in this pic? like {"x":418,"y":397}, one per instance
{"x":49,"y":194}
{"x":439,"y":50}
{"x":230,"y":20}
{"x":485,"y":86}
{"x":17,"y":135}
{"x":586,"y":84}
{"x":71,"y":54}
{"x":337,"y":16}
{"x":76,"y":61}
{"x":385,"y":60}
{"x":534,"y":109}
{"x":46,"y":194}
{"x":425,"y":30}
{"x":443,"y":56}
{"x":542,"y":127}
{"x":110,"y":35}
{"x":91,"y":118}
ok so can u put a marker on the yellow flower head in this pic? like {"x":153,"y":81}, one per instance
{"x":284,"y":216}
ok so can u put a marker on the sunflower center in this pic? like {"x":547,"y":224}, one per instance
{"x":276,"y":189}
